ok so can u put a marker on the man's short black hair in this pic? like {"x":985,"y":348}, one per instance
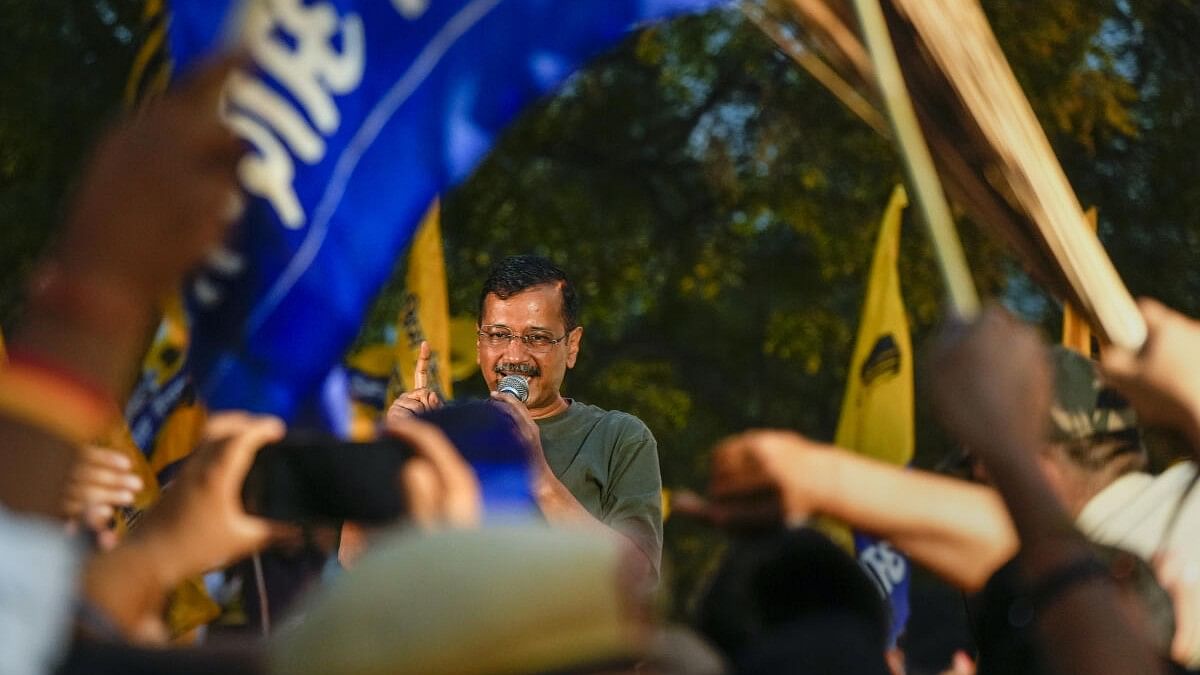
{"x":517,"y":273}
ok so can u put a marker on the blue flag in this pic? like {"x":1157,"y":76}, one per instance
{"x":890,"y":571}
{"x":358,"y":112}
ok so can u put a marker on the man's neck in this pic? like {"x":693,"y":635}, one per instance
{"x":557,"y":406}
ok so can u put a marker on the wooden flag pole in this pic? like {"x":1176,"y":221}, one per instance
{"x":1076,"y":333}
{"x":918,"y":164}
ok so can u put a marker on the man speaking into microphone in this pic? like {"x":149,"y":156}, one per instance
{"x":590,"y":465}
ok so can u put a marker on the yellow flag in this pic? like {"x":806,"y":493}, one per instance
{"x":378,"y":372}
{"x":165,"y":418}
{"x":1077,"y":334}
{"x":189,"y":606}
{"x":370,"y":369}
{"x":168,"y":422}
{"x":151,"y":69}
{"x":426,"y":311}
{"x":877,"y":410}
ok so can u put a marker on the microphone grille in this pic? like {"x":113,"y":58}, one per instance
{"x":515,"y":385}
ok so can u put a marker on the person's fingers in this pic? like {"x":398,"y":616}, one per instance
{"x":459,"y":499}
{"x":428,"y":441}
{"x":416,"y":402}
{"x":236,"y":455}
{"x":733,"y":457}
{"x":1154,"y":311}
{"x":1180,"y":577}
{"x":397,"y":412}
{"x":81,"y":510}
{"x":1118,"y":364}
{"x":421,"y":491}
{"x":83,"y":495}
{"x":98,"y":517}
{"x":1187,"y":633}
{"x":105,"y":457}
{"x":431,"y":400}
{"x":106,"y":540}
{"x":421,"y":372}
{"x":225,"y":425}
{"x":91,"y":475}
{"x":509,"y":405}
{"x":516,"y":410}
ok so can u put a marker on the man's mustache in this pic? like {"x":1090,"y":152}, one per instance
{"x":526,"y":369}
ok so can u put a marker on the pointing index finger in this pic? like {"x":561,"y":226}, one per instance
{"x":421,"y":373}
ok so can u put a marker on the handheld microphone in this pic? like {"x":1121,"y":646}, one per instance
{"x":515,"y":386}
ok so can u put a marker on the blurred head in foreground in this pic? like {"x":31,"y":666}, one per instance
{"x":795,"y":602}
{"x":503,"y":600}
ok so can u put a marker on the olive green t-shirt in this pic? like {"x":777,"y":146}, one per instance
{"x":609,"y":461}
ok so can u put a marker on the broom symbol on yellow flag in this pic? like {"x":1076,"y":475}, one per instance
{"x":877,"y":410}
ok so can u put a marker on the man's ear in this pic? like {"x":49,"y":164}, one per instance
{"x":573,"y":340}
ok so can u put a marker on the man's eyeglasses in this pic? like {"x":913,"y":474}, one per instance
{"x":534,"y":342}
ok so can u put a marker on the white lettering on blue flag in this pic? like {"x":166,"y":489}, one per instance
{"x":358,"y":112}
{"x":890,"y":571}
{"x":887,"y":567}
{"x":293,"y":44}
{"x":411,"y":9}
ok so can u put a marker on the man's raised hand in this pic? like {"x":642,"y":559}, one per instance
{"x":421,"y":398}
{"x":1162,"y":380}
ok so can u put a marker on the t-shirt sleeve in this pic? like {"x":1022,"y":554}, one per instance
{"x":632,"y":500}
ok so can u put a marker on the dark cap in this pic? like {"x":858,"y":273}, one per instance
{"x":1082,"y":407}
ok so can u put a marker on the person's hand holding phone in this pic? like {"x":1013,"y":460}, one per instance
{"x":199,"y":524}
{"x":439,"y":488}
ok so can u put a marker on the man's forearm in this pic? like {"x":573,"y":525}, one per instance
{"x":557,"y":503}
{"x":1084,"y":620}
{"x":959,"y":530}
{"x":128,"y":585}
{"x":560,"y":507}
